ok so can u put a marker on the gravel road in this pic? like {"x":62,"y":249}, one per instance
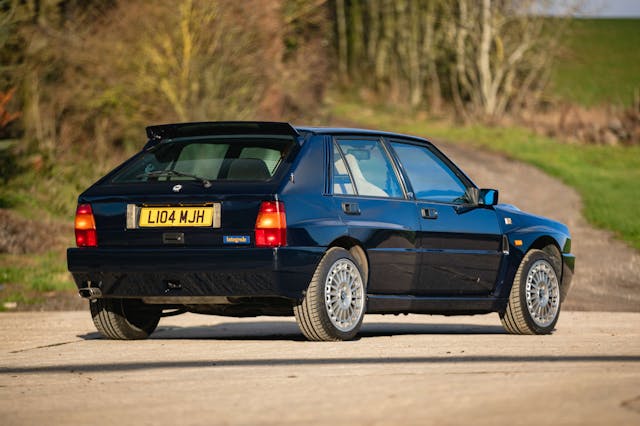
{"x":413,"y":370}
{"x":607,"y":270}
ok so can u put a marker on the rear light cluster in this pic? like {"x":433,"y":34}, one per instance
{"x":85,"y":225}
{"x":271,"y":225}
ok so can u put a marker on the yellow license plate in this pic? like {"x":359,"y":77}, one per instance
{"x":180,"y":216}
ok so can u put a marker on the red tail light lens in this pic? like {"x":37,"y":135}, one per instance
{"x":271,"y":225}
{"x":85,"y":225}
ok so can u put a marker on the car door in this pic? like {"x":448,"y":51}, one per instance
{"x":460,"y":244}
{"x":373,"y":204}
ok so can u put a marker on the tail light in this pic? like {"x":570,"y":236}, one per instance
{"x":85,"y":225}
{"x":271,"y":225}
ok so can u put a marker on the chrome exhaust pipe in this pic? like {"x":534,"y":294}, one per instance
{"x":90,"y":293}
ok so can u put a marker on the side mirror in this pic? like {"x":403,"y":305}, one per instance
{"x":488,"y":197}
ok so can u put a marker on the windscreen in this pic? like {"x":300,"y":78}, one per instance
{"x":211,"y":159}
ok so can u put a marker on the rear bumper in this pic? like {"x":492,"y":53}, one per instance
{"x":195,"y":272}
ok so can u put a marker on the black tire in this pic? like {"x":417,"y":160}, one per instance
{"x":518,"y":318}
{"x":124,"y":319}
{"x":313,"y":313}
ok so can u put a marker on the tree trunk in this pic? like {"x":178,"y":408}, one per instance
{"x":430,"y":57}
{"x":356,"y":40}
{"x":374,"y":31}
{"x":484,"y":60}
{"x":414,"y":50}
{"x":461,"y":85}
{"x":343,"y":55}
{"x":381,"y":68}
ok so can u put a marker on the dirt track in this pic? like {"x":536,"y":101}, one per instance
{"x":607,"y":270}
{"x":403,"y":370}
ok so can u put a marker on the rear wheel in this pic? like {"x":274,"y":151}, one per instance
{"x":124,"y":319}
{"x":534,"y":302}
{"x":333,"y":307}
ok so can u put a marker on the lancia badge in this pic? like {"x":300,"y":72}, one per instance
{"x":177,"y":188}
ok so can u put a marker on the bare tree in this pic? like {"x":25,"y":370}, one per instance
{"x":499,"y":47}
{"x":492,"y":55}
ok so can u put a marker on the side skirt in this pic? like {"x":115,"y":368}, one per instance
{"x":394,"y":304}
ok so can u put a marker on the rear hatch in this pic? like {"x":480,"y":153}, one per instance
{"x":192,"y":188}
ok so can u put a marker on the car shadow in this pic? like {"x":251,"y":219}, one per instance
{"x":288,"y":330}
{"x":129,"y":366}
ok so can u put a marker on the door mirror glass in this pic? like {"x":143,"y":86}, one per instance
{"x":488,"y":197}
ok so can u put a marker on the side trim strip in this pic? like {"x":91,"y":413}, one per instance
{"x":381,"y":304}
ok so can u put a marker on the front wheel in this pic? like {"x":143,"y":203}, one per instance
{"x":124,"y":319}
{"x":534,"y":301}
{"x":333,"y":307}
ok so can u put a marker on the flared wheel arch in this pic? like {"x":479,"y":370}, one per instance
{"x":548,"y":245}
{"x":357,"y":251}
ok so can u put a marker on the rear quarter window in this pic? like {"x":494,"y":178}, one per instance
{"x":369,"y":167}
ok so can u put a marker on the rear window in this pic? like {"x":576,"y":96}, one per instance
{"x":214,"y":159}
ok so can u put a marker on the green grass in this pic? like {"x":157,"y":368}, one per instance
{"x":24,"y":278}
{"x":600,"y":62}
{"x":44,"y":191}
{"x":607,"y":178}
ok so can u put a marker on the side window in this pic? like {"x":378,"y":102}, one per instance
{"x":370,"y":168}
{"x":341,"y":180}
{"x":430,"y":177}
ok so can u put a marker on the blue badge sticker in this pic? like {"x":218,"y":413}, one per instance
{"x":236,"y":239}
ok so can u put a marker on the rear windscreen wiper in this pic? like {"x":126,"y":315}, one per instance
{"x":157,"y":173}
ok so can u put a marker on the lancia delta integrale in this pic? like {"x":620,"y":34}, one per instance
{"x":324,"y":224}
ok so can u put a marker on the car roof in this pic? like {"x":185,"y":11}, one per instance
{"x":353,"y":131}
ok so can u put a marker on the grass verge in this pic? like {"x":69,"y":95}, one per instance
{"x":42,"y":195}
{"x":607,"y":178}
{"x":29,"y":279}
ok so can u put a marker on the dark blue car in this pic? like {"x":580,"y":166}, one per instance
{"x":256,"y":218}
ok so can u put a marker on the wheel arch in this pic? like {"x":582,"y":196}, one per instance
{"x":545,"y":241}
{"x":549,"y":245}
{"x":357,"y":250}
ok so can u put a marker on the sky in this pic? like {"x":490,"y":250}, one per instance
{"x":601,"y":8}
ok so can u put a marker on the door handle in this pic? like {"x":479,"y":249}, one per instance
{"x":429,"y":213}
{"x":351,"y":208}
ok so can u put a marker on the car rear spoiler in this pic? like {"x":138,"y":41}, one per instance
{"x":215,"y":128}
